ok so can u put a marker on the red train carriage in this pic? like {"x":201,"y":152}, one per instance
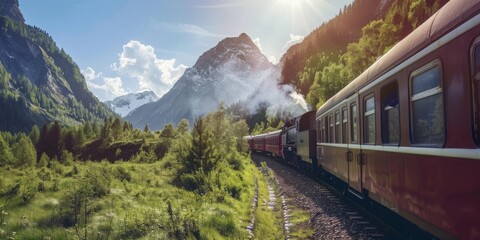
{"x":259,"y":142}
{"x":406,"y":132}
{"x":249,"y":140}
{"x":272,"y":143}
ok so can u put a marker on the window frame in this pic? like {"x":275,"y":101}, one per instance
{"x":319,"y":129}
{"x":366,"y":114}
{"x":383,"y":110}
{"x":425,"y":94}
{"x":331,"y":129}
{"x":353,"y":123}
{"x":337,"y":125}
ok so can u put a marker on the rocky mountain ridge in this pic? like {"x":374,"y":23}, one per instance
{"x":123,"y":105}
{"x":232,"y":71}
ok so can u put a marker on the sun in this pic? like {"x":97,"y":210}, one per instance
{"x":291,"y":10}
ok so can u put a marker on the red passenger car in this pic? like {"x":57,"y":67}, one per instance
{"x":249,"y":140}
{"x":259,"y":142}
{"x":273,"y":143}
{"x":406,"y":132}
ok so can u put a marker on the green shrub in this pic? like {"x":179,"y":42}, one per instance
{"x":80,"y":201}
{"x":190,"y":182}
{"x":12,"y":190}
{"x":56,"y":185}
{"x":27,"y":194}
{"x":41,"y":186}
{"x":121,"y":173}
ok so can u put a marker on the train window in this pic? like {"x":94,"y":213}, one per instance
{"x":390,"y":114}
{"x":353,"y":121}
{"x":344,"y":125}
{"x":476,"y":89}
{"x":325,"y":129}
{"x":369,"y":123}
{"x":337,"y":126}
{"x":331,"y":129}
{"x":427,"y":117}
{"x":319,"y":130}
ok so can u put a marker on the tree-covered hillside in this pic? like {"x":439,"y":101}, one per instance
{"x":39,"y":82}
{"x":333,"y":55}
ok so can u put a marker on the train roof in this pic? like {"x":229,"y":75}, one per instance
{"x":272,"y":133}
{"x":450,"y":16}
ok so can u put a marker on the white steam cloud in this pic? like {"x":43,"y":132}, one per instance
{"x":279,"y":98}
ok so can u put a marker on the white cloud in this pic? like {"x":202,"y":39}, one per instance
{"x":140,"y":62}
{"x":273,"y":59}
{"x":112,"y":87}
{"x":294,"y":39}
{"x":90,"y":74}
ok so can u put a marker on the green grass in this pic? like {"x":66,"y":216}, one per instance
{"x":268,"y":224}
{"x":301,"y":229}
{"x":145,"y":205}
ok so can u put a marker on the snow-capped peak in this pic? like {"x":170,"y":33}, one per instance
{"x":123,"y":105}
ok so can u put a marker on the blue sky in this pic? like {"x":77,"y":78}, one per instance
{"x":127,"y":46}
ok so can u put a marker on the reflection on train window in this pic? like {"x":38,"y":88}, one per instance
{"x":330,"y":134}
{"x":344,"y":125}
{"x":369,"y":123}
{"x":337,"y":126}
{"x":390,"y":114}
{"x":319,"y":130}
{"x":353,"y":121}
{"x":428,"y":121}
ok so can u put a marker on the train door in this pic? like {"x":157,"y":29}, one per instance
{"x":354,"y":152}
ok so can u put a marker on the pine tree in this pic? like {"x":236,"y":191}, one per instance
{"x":202,"y":154}
{"x":6,"y":156}
{"x":168,"y":131}
{"x":44,"y":161}
{"x":117,"y":128}
{"x":183,"y":126}
{"x":55,"y":141}
{"x":25,"y":152}
{"x":42,"y":143}
{"x":87,"y":129}
{"x":34,"y":135}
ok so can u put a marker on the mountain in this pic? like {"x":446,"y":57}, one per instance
{"x":39,"y":82}
{"x":234,"y":70}
{"x":10,"y":9}
{"x":123,"y":105}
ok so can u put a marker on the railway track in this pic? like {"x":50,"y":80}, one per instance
{"x":333,"y":216}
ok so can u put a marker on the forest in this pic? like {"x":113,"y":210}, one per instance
{"x":335,"y":54}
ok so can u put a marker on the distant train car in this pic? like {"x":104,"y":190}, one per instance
{"x":272,"y":143}
{"x":406,"y":132}
{"x":249,"y":140}
{"x":259,"y":142}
